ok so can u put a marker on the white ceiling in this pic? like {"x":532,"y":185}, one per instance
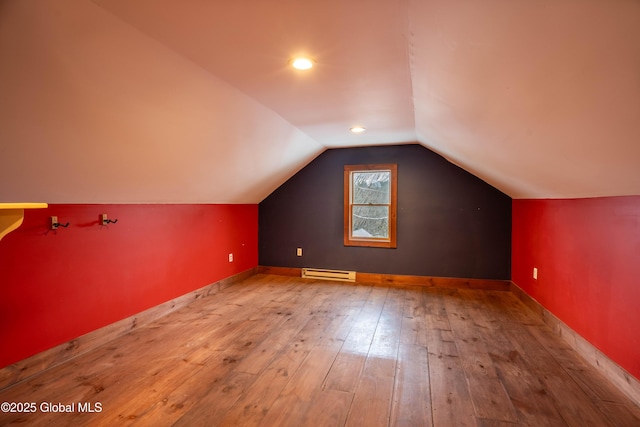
{"x":193,"y":101}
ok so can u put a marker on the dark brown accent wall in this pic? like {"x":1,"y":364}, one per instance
{"x":450,"y":223}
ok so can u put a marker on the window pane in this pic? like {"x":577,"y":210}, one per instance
{"x":371,"y":187}
{"x":370,"y":221}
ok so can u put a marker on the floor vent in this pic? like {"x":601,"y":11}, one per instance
{"x":320,"y":273}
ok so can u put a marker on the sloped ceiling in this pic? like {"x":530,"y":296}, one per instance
{"x":193,"y":101}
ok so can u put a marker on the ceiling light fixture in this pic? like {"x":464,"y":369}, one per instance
{"x":357,"y":129}
{"x":302,"y":63}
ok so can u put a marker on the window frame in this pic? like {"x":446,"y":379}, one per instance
{"x":376,"y":242}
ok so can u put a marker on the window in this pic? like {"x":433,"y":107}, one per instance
{"x":370,"y":198}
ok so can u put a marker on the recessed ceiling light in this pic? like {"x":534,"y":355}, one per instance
{"x":357,"y":129}
{"x":302,"y":63}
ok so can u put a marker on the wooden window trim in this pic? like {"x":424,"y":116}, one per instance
{"x":391,"y":242}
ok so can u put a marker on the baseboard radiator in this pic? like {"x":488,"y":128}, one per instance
{"x":321,"y":273}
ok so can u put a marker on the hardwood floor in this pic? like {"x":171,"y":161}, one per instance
{"x":274,"y":351}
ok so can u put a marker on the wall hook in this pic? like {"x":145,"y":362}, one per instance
{"x":105,"y":221}
{"x":55,"y":224}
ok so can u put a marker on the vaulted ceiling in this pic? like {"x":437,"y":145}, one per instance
{"x":194,"y":101}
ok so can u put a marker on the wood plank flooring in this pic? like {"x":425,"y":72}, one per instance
{"x":282,"y":351}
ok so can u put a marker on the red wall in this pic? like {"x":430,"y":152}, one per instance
{"x":58,"y":285}
{"x":587,"y":252}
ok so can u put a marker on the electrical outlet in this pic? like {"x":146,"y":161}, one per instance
{"x":230,"y":257}
{"x":299,"y":251}
{"x":54,"y":222}
{"x":103,"y":219}
{"x":535,"y":273}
